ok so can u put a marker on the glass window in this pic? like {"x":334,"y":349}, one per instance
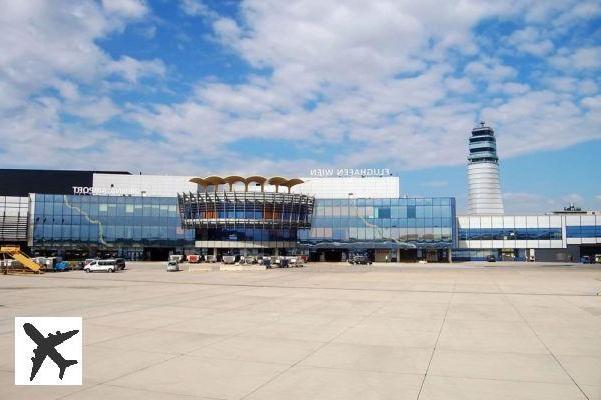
{"x":384,"y":212}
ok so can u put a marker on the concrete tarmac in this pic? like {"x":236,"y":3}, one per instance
{"x":326,"y":331}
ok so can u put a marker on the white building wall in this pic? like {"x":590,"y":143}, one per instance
{"x":168,"y":186}
{"x":355,"y":187}
{"x":144,"y":185}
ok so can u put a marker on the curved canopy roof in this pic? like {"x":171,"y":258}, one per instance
{"x":293,"y":182}
{"x":233,"y":179}
{"x":198,"y":181}
{"x":261,"y":180}
{"x":214,"y":180}
{"x":257,"y":179}
{"x":277,"y":181}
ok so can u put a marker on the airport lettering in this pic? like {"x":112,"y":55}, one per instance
{"x":89,"y":190}
{"x":349,"y":172}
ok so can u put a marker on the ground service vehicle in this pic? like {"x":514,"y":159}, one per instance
{"x":359,"y":259}
{"x":176,"y":257}
{"x":229,"y":259}
{"x":102,"y":265}
{"x":193,"y":258}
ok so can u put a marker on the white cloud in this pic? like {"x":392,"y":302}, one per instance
{"x":530,"y":40}
{"x":585,"y":58}
{"x":511,"y":88}
{"x":593,"y":103}
{"x":41,"y":44}
{"x":459,"y":85}
{"x":489,"y":70}
{"x":95,"y":110}
{"x":132,"y":70}
{"x":126,"y":8}
{"x":197,"y":8}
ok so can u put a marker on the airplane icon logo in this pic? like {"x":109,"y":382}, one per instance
{"x":34,"y":337}
{"x":47,"y":347}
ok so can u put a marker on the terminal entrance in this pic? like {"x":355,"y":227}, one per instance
{"x":407,"y":255}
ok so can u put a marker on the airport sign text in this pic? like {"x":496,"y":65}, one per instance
{"x":349,"y":172}
{"x":100,"y":191}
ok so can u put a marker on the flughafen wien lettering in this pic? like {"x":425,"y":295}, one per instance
{"x":349,"y":172}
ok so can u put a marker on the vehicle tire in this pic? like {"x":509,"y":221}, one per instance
{"x":111,"y":270}
{"x":87,"y":270}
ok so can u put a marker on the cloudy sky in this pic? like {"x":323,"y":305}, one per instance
{"x":268,"y":86}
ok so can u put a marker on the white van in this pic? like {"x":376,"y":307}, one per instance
{"x":228,"y":259}
{"x":101,"y":265}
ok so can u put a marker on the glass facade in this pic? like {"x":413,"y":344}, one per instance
{"x":401,"y":223}
{"x":509,"y":233}
{"x":107,"y":222}
{"x":583,"y":231}
{"x":110,"y":222}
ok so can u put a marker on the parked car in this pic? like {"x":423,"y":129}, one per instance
{"x":359,"y":259}
{"x":102,"y":265}
{"x":173,"y":266}
{"x":491,"y":258}
{"x":193,"y":258}
{"x":586,"y":260}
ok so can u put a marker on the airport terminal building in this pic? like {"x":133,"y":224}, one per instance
{"x":87,"y":213}
{"x":327,"y":215}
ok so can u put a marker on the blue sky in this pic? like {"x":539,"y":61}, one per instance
{"x":198,"y":87}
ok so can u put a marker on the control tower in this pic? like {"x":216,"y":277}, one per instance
{"x":483,"y":173}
